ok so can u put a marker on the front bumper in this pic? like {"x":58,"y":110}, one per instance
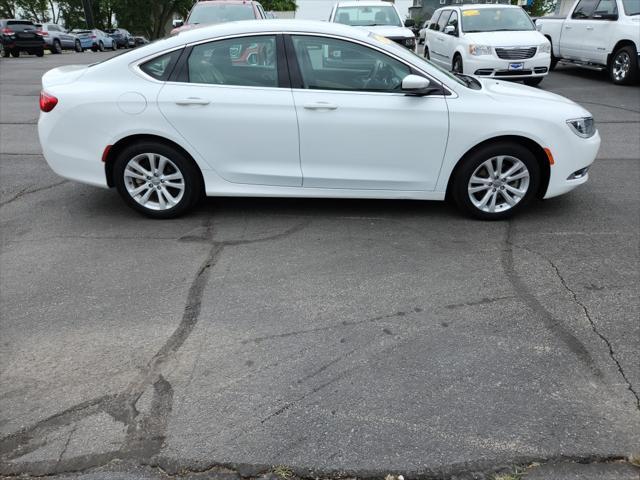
{"x":570,"y":161}
{"x":490,"y":66}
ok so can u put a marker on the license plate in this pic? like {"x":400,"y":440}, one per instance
{"x":516,"y":66}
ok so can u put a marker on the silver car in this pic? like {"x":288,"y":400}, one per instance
{"x":57,"y":38}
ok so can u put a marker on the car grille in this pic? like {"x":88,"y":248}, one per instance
{"x":516,"y":53}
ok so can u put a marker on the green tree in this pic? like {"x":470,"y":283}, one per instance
{"x":279,"y":5}
{"x":149,"y":19}
{"x":7,"y":9}
{"x":36,"y":10}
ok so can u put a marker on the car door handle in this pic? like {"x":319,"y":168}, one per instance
{"x":320,"y":106}
{"x":589,"y":28}
{"x":567,"y":27}
{"x":192,"y":101}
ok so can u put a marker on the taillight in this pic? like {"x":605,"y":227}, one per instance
{"x":7,"y":31}
{"x":93,"y":37}
{"x":47,"y":102}
{"x":42,"y":33}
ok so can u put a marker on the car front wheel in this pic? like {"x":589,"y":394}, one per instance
{"x":623,"y":68}
{"x":78,"y":47}
{"x":157,"y":180}
{"x":457,"y":64}
{"x":496,"y":181}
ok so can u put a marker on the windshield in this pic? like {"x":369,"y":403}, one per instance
{"x":224,"y":12}
{"x":631,"y":7}
{"x":496,"y":20}
{"x":363,"y":16}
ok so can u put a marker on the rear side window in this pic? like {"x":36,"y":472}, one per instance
{"x":584,"y":9}
{"x":606,"y":7}
{"x":161,"y":67}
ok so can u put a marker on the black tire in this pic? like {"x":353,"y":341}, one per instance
{"x":462,"y":176}
{"x":78,"y":47}
{"x":193,"y":186}
{"x":56,"y":47}
{"x":457,"y":66}
{"x":101,"y":46}
{"x":533,"y":82}
{"x":39,"y":53}
{"x":554,"y":59}
{"x":623,"y":66}
{"x":5,"y":53}
{"x":114,"y":46}
{"x":15,"y":53}
{"x":426,"y":53}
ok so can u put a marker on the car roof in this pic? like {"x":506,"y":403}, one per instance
{"x":214,"y":2}
{"x":474,"y":6}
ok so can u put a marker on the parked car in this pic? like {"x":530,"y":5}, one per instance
{"x":342,"y":124}
{"x":57,"y":38}
{"x":20,"y":36}
{"x":210,"y":12}
{"x":497,"y":41}
{"x":101,"y":41}
{"x":85,"y":38}
{"x":139,"y":41}
{"x":602,"y":34}
{"x":377,"y":16}
{"x":122,"y":37}
{"x":422,"y":32}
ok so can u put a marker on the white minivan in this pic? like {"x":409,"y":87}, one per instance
{"x":498,"y":41}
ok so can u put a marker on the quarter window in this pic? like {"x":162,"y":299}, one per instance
{"x":444,"y":18}
{"x":332,"y":64}
{"x":160,"y":67}
{"x":584,"y":9}
{"x":605,"y":7}
{"x":246,"y":61}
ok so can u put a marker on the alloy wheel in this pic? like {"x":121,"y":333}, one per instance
{"x":498,"y":184}
{"x":621,"y":66}
{"x":154,"y":181}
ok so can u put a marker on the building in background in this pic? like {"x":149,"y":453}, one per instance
{"x":422,"y":10}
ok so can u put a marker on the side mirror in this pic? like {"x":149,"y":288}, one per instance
{"x":409,"y":22}
{"x":450,"y":30}
{"x":178,"y":23}
{"x":415,"y":85}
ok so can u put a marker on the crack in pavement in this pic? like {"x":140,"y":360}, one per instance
{"x":528,"y":297}
{"x":145,"y":432}
{"x":587,"y":315}
{"x":26,"y":191}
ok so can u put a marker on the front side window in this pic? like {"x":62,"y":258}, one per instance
{"x":205,"y":13}
{"x":368,"y":16}
{"x":584,"y":9}
{"x":245,"y":61}
{"x":444,"y":18}
{"x":453,"y":20}
{"x":631,"y":7}
{"x":332,"y":64}
{"x":496,"y":19}
{"x":434,"y":21}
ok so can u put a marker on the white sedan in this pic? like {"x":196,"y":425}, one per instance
{"x":306,"y":109}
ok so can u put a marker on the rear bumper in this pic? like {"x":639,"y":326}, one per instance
{"x":24,"y":44}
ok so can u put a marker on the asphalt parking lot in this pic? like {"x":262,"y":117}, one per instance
{"x":328,"y":337}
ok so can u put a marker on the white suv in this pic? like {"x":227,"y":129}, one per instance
{"x":377,"y":16}
{"x":497,"y":41}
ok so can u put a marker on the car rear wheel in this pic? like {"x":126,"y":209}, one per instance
{"x":496,"y":181}
{"x":78,"y":46}
{"x":623,"y":67}
{"x":157,"y":180}
{"x":39,"y":53}
{"x":101,"y":46}
{"x":426,"y":53}
{"x":56,"y":47}
{"x":15,"y":53}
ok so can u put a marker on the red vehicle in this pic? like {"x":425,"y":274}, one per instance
{"x":220,"y":11}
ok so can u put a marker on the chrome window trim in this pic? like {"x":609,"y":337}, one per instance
{"x":135,"y":65}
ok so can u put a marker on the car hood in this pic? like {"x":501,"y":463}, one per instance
{"x":389,"y":31}
{"x":516,"y":94}
{"x":506,"y":39}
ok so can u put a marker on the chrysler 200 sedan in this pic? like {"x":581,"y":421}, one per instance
{"x":307,"y":109}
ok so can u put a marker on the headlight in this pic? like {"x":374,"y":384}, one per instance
{"x":583,"y":127}
{"x":479,"y":49}
{"x":545,"y":48}
{"x":410,"y":42}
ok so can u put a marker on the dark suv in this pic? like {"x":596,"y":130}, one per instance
{"x":208,"y":12}
{"x":20,"y":36}
{"x":122,"y":37}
